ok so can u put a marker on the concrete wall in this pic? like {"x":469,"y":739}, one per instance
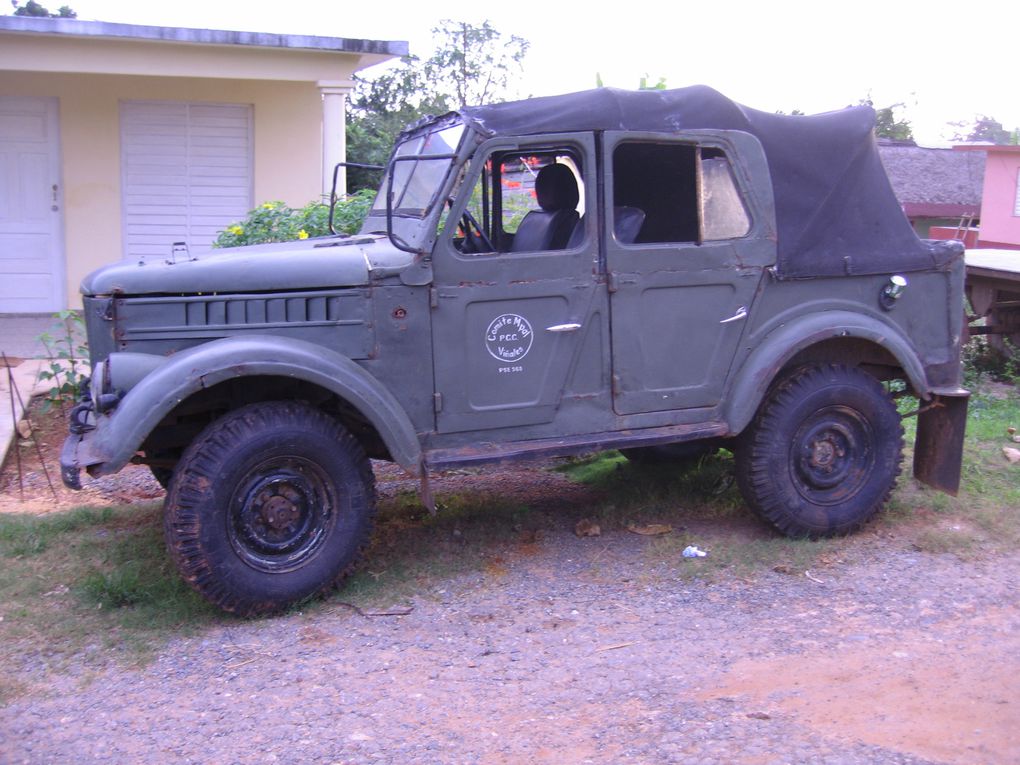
{"x":287,"y":147}
{"x":91,"y":67}
{"x":1000,"y":226}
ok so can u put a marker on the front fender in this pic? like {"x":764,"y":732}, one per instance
{"x":760,"y":368}
{"x":119,"y":435}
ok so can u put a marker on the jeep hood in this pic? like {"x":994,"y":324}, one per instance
{"x":335,"y":261}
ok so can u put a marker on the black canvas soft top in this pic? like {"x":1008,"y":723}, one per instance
{"x":836,"y":212}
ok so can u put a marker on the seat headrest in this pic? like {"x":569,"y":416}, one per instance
{"x":556,"y":188}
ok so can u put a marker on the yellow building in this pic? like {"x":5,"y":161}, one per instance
{"x":118,"y":141}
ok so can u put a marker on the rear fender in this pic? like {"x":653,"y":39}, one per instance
{"x":757,"y":373}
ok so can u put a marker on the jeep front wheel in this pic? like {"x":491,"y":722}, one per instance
{"x":822,"y":455}
{"x":269,"y":505}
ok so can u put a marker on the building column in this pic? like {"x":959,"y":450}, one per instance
{"x":334,"y":134}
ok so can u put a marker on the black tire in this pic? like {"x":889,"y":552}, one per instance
{"x":823,"y":452}
{"x":270,"y":505}
{"x":683,"y":456}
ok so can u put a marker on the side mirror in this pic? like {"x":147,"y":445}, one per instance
{"x":333,"y":197}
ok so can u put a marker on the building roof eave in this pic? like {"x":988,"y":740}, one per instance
{"x":107,"y":30}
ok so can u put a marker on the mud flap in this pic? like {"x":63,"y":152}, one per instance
{"x":938,"y":448}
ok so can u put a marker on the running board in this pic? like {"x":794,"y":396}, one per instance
{"x":515,"y":451}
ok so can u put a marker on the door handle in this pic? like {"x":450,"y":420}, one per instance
{"x":563,"y":328}
{"x":740,"y":314}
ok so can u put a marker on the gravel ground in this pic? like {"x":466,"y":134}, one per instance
{"x":575,"y":650}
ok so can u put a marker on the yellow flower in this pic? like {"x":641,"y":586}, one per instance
{"x":268,"y":205}
{"x":236,"y":230}
{"x":302,"y":234}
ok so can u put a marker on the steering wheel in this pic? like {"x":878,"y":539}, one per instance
{"x":473,"y":231}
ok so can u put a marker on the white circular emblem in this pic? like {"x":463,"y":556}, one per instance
{"x":509,"y":337}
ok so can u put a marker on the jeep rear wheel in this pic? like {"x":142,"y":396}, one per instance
{"x":823,"y":452}
{"x":269,"y":506}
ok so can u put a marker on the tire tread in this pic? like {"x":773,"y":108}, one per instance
{"x":755,"y":479}
{"x":185,"y":510}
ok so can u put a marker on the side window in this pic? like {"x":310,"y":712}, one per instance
{"x":530,"y":201}
{"x":723,"y":214}
{"x":675,"y":192}
{"x":659,"y":180}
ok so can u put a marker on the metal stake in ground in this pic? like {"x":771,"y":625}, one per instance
{"x":14,"y":422}
{"x":14,"y":419}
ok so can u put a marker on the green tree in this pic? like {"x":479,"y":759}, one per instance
{"x":984,"y":129}
{"x":32,"y":8}
{"x":468,"y":65}
{"x":886,"y":124}
{"x":380,"y":108}
{"x":660,"y":85}
{"x":642,"y":83}
{"x":473,"y":64}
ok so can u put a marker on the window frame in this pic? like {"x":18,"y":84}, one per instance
{"x":579,"y":146}
{"x":698,"y":142}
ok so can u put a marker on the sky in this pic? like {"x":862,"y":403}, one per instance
{"x":943,"y":61}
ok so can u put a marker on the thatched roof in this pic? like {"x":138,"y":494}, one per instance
{"x":934,"y":182}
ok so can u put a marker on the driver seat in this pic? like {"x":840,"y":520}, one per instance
{"x":550,"y":227}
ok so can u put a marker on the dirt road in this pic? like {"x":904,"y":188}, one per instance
{"x":570,"y":650}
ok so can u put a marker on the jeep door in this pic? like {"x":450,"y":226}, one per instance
{"x":511,"y":313}
{"x":682,"y":283}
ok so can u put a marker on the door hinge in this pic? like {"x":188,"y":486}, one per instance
{"x":433,"y":297}
{"x":611,"y":281}
{"x":437,"y":400}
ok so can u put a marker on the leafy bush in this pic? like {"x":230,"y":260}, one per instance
{"x":982,"y":362}
{"x":68,"y":354}
{"x":276,"y":222}
{"x":352,"y":211}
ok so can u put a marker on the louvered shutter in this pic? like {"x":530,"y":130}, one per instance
{"x":187,"y":174}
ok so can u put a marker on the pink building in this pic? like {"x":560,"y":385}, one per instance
{"x":1000,"y":198}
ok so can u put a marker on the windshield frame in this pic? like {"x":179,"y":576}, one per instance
{"x":397,"y":186}
{"x":414,"y":229}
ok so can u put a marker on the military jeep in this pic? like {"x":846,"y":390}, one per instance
{"x":662,"y":273}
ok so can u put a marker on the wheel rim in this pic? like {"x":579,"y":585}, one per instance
{"x":280,"y":514}
{"x":832,"y":456}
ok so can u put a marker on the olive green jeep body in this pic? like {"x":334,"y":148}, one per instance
{"x":663,"y":273}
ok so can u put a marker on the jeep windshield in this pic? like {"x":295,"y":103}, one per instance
{"x":418,"y":167}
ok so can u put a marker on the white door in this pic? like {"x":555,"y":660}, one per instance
{"x":31,"y":245}
{"x":187,"y":174}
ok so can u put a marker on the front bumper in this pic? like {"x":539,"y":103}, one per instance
{"x":76,"y":453}
{"x":70,"y":469}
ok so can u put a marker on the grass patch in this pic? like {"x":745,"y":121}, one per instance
{"x":946,"y":539}
{"x":22,"y":535}
{"x":638,"y":493}
{"x":74,"y":582}
{"x":984,"y":517}
{"x":701,"y":500}
{"x":137,"y":581}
